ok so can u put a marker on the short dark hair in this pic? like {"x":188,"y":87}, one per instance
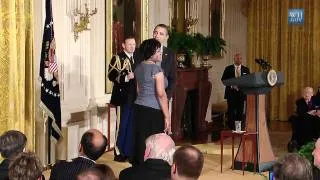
{"x":25,"y":166}
{"x":162,"y":26}
{"x":149,"y":47}
{"x":106,"y":171}
{"x":90,"y":150}
{"x":292,"y":167}
{"x":98,"y":171}
{"x":90,"y":173}
{"x":12,"y":143}
{"x":189,"y":161}
{"x":128,"y":37}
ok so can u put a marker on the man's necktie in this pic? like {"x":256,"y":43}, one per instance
{"x":238,"y":72}
{"x":309,"y":105}
{"x":131,"y":60}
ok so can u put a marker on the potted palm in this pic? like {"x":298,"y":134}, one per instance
{"x":209,"y":46}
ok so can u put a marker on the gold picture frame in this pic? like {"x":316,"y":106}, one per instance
{"x":142,"y":29}
{"x":217,"y":21}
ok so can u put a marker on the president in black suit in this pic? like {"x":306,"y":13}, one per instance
{"x":235,"y":97}
{"x":168,"y":63}
{"x":92,"y":145}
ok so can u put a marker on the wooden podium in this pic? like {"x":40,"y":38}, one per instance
{"x":191,"y":79}
{"x":256,"y":87}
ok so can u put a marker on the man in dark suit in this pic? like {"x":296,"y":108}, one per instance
{"x":235,"y":97}
{"x":308,"y":120}
{"x":11,"y":144}
{"x":121,"y":74}
{"x":92,"y":145}
{"x":157,"y":160}
{"x":168,"y":62}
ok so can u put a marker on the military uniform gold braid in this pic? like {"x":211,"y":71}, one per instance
{"x":117,"y":66}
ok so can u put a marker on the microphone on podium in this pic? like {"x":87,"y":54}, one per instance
{"x":264,"y":64}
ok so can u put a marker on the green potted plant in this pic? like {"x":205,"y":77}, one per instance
{"x":306,"y":152}
{"x":208,"y":45}
{"x":183,"y":45}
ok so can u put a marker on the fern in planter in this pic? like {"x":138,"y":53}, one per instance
{"x":306,"y":151}
{"x":209,"y":45}
{"x":182,"y":43}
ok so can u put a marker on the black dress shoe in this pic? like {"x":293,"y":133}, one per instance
{"x":119,"y":158}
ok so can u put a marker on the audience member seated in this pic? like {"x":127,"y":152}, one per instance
{"x":26,"y":166}
{"x":187,"y":163}
{"x":93,"y":144}
{"x":157,"y":160}
{"x":11,"y":144}
{"x":316,"y":160}
{"x":292,"y":167}
{"x":308,"y":120}
{"x":97,"y":172}
{"x":316,"y":154}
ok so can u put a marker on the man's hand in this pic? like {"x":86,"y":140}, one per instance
{"x":235,"y":87}
{"x":312,"y":112}
{"x":167,"y":126}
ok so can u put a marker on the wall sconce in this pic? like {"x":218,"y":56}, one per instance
{"x":191,"y":15}
{"x":82,"y":10}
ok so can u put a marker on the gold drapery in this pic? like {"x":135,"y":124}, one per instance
{"x":17,"y":110}
{"x":292,"y":49}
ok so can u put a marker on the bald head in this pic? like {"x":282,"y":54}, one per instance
{"x":93,"y":144}
{"x":237,"y":59}
{"x":159,"y":146}
{"x":187,"y":162}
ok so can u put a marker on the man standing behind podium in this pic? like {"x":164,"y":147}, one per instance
{"x":235,"y":97}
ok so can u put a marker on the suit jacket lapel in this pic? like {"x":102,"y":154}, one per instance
{"x":164,"y":56}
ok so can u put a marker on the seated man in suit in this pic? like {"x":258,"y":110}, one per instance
{"x":93,"y":144}
{"x":316,"y":154}
{"x":11,"y":144}
{"x":308,"y":120}
{"x":157,"y":160}
{"x":187,"y":163}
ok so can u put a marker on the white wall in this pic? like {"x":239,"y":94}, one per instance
{"x":158,"y":14}
{"x":81,"y":66}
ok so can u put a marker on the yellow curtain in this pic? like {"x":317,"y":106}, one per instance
{"x":17,"y":110}
{"x":292,"y":49}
